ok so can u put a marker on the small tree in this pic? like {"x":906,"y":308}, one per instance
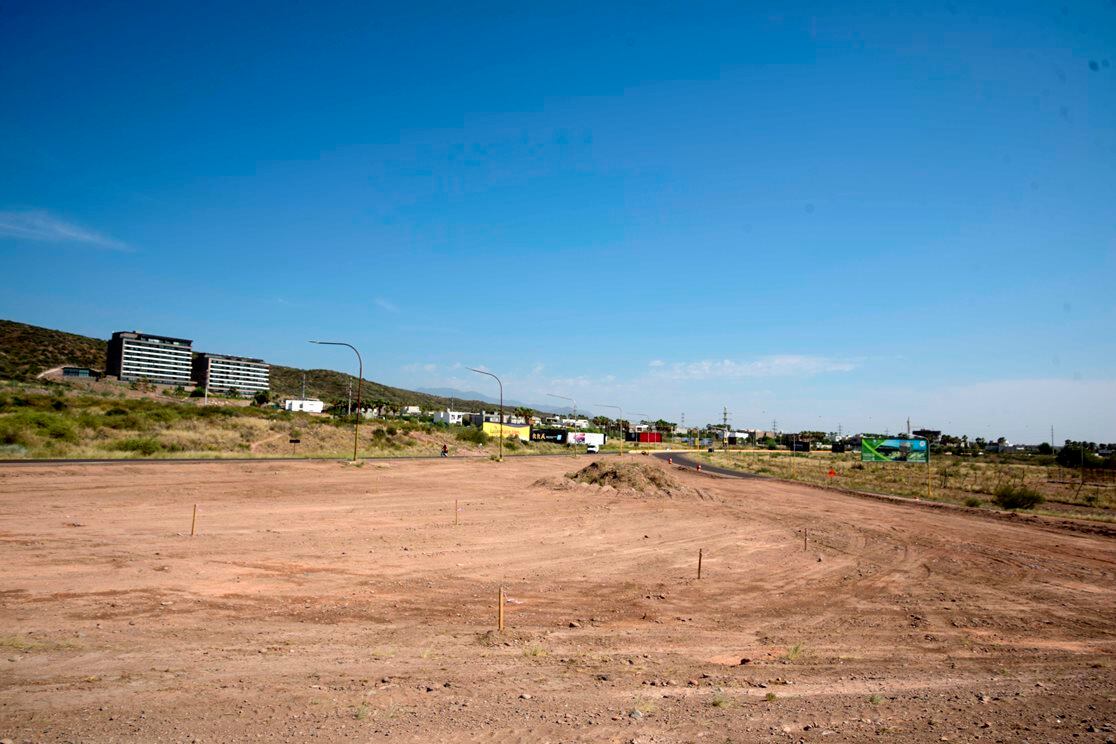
{"x":262,"y":397}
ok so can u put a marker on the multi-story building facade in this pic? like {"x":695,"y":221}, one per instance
{"x":219,"y":373}
{"x":134,"y":356}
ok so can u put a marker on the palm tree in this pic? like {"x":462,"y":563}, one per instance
{"x":525,"y":413}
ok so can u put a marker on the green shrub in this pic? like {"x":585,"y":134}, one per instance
{"x":973,"y":501}
{"x":14,"y":435}
{"x":141,"y":445}
{"x":392,"y":431}
{"x":1017,"y":497}
{"x":472,"y":434}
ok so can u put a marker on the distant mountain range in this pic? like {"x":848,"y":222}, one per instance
{"x":459,"y":397}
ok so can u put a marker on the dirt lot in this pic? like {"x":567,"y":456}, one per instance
{"x":326,"y":601}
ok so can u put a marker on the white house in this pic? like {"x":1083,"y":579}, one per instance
{"x":449,"y":417}
{"x":310,"y":405}
{"x":411,"y":411}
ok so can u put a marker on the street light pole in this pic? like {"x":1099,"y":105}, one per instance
{"x":645,"y":417}
{"x":360,"y":380}
{"x":620,"y":422}
{"x":501,"y":384}
{"x":571,"y":400}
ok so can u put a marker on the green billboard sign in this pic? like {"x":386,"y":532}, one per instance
{"x":893,"y":450}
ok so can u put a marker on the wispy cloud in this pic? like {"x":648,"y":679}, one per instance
{"x":787,"y":365}
{"x":41,"y":226}
{"x":385,"y":304}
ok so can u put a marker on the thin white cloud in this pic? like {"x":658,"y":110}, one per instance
{"x":387,"y":305}
{"x":656,"y":363}
{"x":785,"y":365}
{"x":41,"y":226}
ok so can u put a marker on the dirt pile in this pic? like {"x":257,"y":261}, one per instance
{"x":640,"y":477}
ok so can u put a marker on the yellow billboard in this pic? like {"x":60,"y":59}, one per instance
{"x":494,"y":429}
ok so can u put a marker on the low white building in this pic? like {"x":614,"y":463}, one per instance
{"x":308,"y":405}
{"x":450,"y":417}
{"x":411,"y":411}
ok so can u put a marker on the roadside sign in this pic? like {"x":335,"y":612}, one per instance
{"x":893,"y":450}
{"x":296,"y":441}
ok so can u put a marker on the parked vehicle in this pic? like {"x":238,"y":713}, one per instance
{"x":592,"y":449}
{"x":587,"y":438}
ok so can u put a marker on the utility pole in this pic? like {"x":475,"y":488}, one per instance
{"x":304,"y":388}
{"x":724,"y":429}
{"x":1052,"y":438}
{"x":908,"y":426}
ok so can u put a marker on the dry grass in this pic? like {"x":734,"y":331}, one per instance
{"x":968,"y":481}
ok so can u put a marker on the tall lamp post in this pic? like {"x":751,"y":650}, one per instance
{"x":497,"y":379}
{"x":360,"y":379}
{"x":571,"y":400}
{"x":645,"y":416}
{"x":620,"y":422}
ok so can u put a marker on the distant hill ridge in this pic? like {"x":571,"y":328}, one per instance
{"x":27,"y":350}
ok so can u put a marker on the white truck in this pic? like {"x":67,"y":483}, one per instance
{"x":592,"y":440}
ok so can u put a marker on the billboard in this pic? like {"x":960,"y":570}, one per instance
{"x":893,"y":450}
{"x":493,"y":429}
{"x":558,"y":436}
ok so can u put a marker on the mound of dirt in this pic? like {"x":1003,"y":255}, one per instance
{"x":641,"y":477}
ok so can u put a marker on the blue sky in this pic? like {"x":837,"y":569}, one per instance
{"x":816,"y":213}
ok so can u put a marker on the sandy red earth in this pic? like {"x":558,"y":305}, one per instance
{"x":321,"y":601}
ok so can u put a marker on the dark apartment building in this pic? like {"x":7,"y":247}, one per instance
{"x":136,"y":356}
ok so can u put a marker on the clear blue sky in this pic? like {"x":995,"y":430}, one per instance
{"x":820,"y":213}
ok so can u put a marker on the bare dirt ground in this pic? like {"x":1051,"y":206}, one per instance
{"x":329,"y":602}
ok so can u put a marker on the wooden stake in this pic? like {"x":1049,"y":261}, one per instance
{"x":699,"y":563}
{"x":194,"y":521}
{"x":805,"y":537}
{"x":455,"y":512}
{"x":500,"y":612}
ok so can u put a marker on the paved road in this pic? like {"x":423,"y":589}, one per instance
{"x":690,"y":462}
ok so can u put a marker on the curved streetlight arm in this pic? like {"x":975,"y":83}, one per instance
{"x":360,"y":380}
{"x":571,"y":400}
{"x":501,"y":384}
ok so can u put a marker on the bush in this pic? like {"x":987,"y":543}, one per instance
{"x":472,"y":434}
{"x":973,"y":501}
{"x":142,"y":445}
{"x":1017,"y":497}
